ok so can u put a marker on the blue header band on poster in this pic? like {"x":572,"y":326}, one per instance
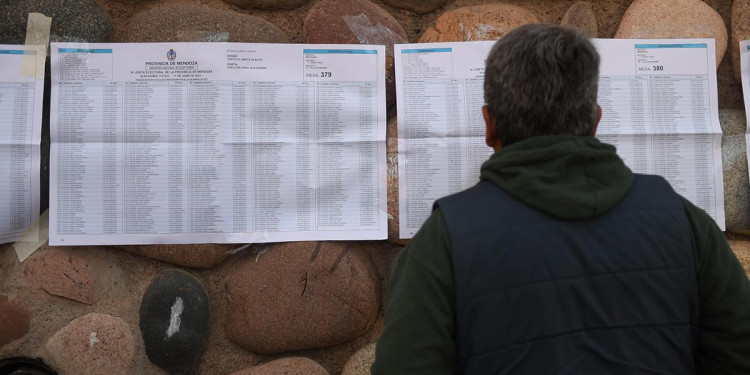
{"x":343,"y":51}
{"x":83,"y":50}
{"x":16,"y":52}
{"x":697,"y":45}
{"x":426,"y":50}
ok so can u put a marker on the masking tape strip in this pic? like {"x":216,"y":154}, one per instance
{"x":37,"y":39}
{"x":34,"y":238}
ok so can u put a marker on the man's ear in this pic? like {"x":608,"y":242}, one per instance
{"x":490,"y":134}
{"x":598,"y":118}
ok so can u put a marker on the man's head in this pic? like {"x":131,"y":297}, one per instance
{"x":540,"y":80}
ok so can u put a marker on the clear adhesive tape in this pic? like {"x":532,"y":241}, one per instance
{"x":37,"y":39}
{"x":36,"y":236}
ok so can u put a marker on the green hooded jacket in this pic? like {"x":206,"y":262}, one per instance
{"x":571,"y":178}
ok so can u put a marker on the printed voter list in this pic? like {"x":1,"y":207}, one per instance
{"x":217,"y":142}
{"x":745,"y":69}
{"x":20,"y":139}
{"x":659,"y":108}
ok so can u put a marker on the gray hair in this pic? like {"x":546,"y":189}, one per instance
{"x":542,"y":80}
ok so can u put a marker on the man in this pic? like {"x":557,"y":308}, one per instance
{"x":562,"y":261}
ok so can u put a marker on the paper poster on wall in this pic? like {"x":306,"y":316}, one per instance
{"x":20,"y":139}
{"x":745,"y":68}
{"x":659,"y":108}
{"x":217,"y":142}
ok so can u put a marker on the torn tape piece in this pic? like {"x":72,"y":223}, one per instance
{"x":37,"y":39}
{"x":34,"y":238}
{"x":369,"y":33}
{"x":202,"y":36}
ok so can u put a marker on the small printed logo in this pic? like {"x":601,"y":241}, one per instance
{"x":171,"y":55}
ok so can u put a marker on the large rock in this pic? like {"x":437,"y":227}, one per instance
{"x":581,"y":17}
{"x":356,"y":22}
{"x":733,"y":121}
{"x":734,"y":163}
{"x":736,"y":187}
{"x":740,"y":22}
{"x":360,"y":362}
{"x":193,"y":256}
{"x":480,"y":22}
{"x":93,"y":344}
{"x":268,"y":4}
{"x":14,"y":319}
{"x":392,"y":182}
{"x":741,"y":249}
{"x":174,"y":319}
{"x":72,"y":20}
{"x":285,"y":366}
{"x":670,"y":19}
{"x":190,"y":23}
{"x":419,"y":6}
{"x":301,"y":295}
{"x":63,"y":273}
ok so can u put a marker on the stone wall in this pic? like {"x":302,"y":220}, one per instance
{"x":306,"y":307}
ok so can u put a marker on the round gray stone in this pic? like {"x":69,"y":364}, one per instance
{"x":72,"y":20}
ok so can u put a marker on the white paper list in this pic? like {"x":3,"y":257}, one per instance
{"x":745,"y":69}
{"x":659,"y":104}
{"x":217,"y":142}
{"x":20,"y":139}
{"x":660,"y":109}
{"x":441,"y":147}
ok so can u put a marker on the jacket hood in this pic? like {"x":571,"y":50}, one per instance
{"x":569,"y":177}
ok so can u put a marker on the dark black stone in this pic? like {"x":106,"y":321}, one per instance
{"x":24,"y":366}
{"x":177,"y":351}
{"x":72,"y":20}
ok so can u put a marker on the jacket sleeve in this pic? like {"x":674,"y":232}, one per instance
{"x":418,"y":337}
{"x":723,"y":345}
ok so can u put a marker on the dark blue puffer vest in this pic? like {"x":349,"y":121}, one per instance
{"x":615,"y":294}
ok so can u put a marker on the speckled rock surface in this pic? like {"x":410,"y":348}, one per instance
{"x":285,"y":366}
{"x":669,"y":19}
{"x":190,"y":23}
{"x":732,"y":121}
{"x":419,"y":6}
{"x":268,"y":4}
{"x":72,"y":20}
{"x":351,"y":21}
{"x":741,"y":249}
{"x":581,"y":17}
{"x":736,"y":185}
{"x":301,"y":295}
{"x":93,"y":344}
{"x":480,"y":22}
{"x":193,"y":256}
{"x":740,"y":26}
{"x":734,"y":162}
{"x":14,"y":319}
{"x":63,"y":273}
{"x":392,"y":183}
{"x":356,"y":22}
{"x":360,"y":362}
